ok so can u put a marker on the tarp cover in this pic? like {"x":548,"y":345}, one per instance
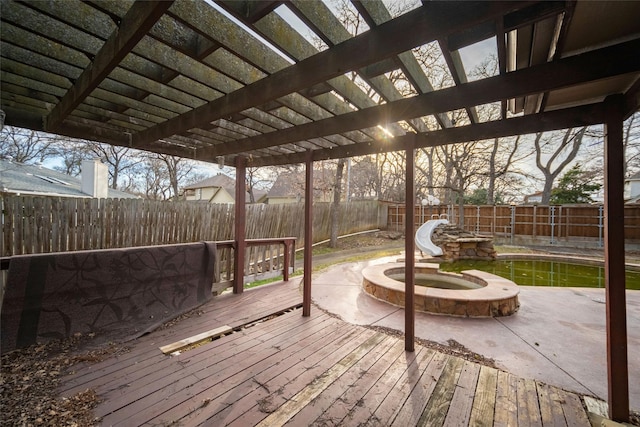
{"x":119,"y":293}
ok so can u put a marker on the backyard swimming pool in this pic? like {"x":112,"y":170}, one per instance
{"x":544,"y":272}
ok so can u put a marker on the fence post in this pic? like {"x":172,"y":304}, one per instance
{"x":513,"y":222}
{"x":493,"y":221}
{"x":552,"y":218}
{"x":535,"y":222}
{"x":477,"y":219}
{"x":600,"y":224}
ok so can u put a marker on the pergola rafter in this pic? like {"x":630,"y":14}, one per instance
{"x":566,"y":72}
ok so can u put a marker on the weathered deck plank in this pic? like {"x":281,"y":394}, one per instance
{"x":528,"y":406}
{"x":378,"y":394}
{"x":461,"y":404}
{"x":421,"y":394}
{"x":354,"y":392}
{"x":573,"y":409}
{"x":550,"y":410}
{"x":399,"y":393}
{"x":438,"y":406}
{"x":333,"y":394}
{"x":316,"y":370}
{"x":201,"y":374}
{"x":506,"y":413}
{"x":255,"y":393}
{"x":230,"y":308}
{"x":484,"y":402}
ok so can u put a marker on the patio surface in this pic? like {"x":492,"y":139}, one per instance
{"x":318,"y":370}
{"x":557,"y":337}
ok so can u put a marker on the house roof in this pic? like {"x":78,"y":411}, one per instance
{"x":193,"y":79}
{"x":220,"y":180}
{"x":20,"y":178}
{"x":223,"y":181}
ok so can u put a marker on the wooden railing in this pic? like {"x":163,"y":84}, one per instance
{"x":264,"y":258}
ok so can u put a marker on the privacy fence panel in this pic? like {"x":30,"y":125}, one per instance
{"x":33,"y":225}
{"x":579,"y":224}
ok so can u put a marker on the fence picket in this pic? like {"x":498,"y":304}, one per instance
{"x":38,"y":224}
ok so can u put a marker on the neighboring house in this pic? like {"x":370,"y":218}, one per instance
{"x":533,"y":199}
{"x":217,"y":189}
{"x":632,"y":189}
{"x":289,"y":187}
{"x":34,"y":180}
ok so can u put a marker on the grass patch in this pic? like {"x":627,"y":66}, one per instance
{"x":504,"y":249}
{"x":318,"y":250}
{"x":356,"y":258}
{"x":320,"y":267}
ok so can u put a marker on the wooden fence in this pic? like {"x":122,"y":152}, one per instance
{"x":33,"y":225}
{"x":572,"y":224}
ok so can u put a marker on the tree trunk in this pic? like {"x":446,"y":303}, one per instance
{"x":335,"y":206}
{"x":491,"y":187}
{"x":461,"y":209}
{"x":550,"y":175}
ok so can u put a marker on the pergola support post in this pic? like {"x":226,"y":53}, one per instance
{"x":308,"y":234}
{"x":240,"y":225}
{"x":410,"y":249}
{"x":614,"y":262}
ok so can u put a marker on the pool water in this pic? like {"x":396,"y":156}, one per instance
{"x":543,"y":272}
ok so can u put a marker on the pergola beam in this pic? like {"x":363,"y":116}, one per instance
{"x":428,"y":22}
{"x":615,"y":60}
{"x":562,"y":119}
{"x":512,"y":21}
{"x":632,"y":99}
{"x":134,"y":26}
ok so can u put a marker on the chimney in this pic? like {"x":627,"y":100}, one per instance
{"x":94,"y":178}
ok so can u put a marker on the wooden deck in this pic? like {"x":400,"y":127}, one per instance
{"x":302,"y":371}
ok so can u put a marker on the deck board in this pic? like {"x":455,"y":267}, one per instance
{"x":318,"y":370}
{"x":252,"y":390}
{"x":354,"y":393}
{"x":484,"y":401}
{"x":461,"y":404}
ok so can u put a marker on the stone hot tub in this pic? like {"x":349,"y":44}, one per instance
{"x":472,"y":293}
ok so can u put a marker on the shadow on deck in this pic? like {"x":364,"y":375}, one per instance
{"x":317,"y":370}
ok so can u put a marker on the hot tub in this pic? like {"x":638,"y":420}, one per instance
{"x":472,"y":293}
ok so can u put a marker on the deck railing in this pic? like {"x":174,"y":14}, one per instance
{"x":264,"y":258}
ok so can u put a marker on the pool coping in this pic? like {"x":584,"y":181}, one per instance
{"x":496,"y":297}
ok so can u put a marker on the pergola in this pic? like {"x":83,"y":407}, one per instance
{"x":234,"y":80}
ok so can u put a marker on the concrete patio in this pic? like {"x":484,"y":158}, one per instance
{"x":557,"y":337}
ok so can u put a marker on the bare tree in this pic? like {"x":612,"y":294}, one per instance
{"x":559,"y":157}
{"x":632,"y":144}
{"x":155,"y":182}
{"x":26,"y":146}
{"x":259,"y":179}
{"x":120,"y":160}
{"x":363,"y":180}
